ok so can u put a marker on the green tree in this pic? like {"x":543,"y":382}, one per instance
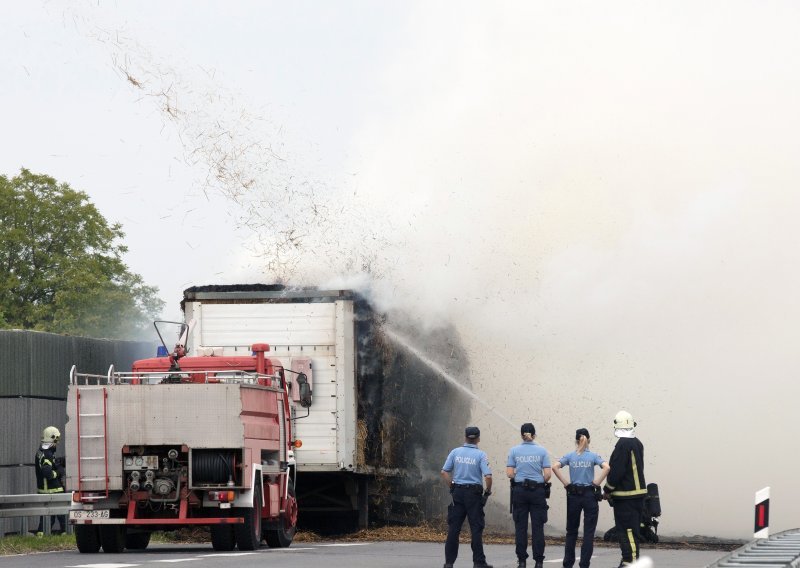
{"x":61,"y":267}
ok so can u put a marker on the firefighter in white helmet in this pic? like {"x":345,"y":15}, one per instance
{"x":50,"y":474}
{"x":625,"y":486}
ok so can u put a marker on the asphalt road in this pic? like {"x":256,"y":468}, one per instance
{"x":333,"y":555}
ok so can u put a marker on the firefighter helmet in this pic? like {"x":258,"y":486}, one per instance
{"x":623,"y":420}
{"x":51,"y":435}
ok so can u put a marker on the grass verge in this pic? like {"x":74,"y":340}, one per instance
{"x":16,"y":544}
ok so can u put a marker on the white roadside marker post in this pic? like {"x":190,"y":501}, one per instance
{"x":761,"y":529}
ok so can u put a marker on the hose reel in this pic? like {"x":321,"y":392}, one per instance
{"x":214,"y":467}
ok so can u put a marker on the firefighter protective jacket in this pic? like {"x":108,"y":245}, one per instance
{"x":626,"y":478}
{"x":47,"y":472}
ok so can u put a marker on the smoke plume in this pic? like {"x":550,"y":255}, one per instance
{"x":600,"y":199}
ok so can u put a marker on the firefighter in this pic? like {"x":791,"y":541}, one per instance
{"x":465,"y":471}
{"x":625,"y":486}
{"x":529,"y":469}
{"x":583,"y":493}
{"x":50,"y":475}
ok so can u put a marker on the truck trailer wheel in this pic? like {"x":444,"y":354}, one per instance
{"x":87,"y":537}
{"x":112,"y":537}
{"x":137,"y":541}
{"x":283,"y":534}
{"x":248,"y":534}
{"x":222,"y":538}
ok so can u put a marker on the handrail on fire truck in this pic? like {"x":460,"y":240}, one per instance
{"x":75,"y":376}
{"x":166,"y":377}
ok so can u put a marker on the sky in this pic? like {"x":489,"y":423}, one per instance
{"x":600,"y":197}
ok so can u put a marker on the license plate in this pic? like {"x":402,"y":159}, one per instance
{"x":78,"y":515}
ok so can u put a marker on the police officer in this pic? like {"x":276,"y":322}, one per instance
{"x":583,"y":492}
{"x":49,"y":474}
{"x":465,"y":471}
{"x":625,"y":486}
{"x":529,"y":468}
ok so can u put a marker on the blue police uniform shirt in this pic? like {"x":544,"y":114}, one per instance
{"x":468,"y":465}
{"x":581,"y":466}
{"x":528,"y":458}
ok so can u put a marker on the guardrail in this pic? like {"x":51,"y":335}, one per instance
{"x":778,"y":551}
{"x":34,"y":505}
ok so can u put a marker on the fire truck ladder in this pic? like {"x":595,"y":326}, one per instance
{"x":92,"y":443}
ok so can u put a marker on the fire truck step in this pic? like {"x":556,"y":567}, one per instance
{"x":92,"y":458}
{"x":92,"y":436}
{"x":92,"y":479}
{"x":93,"y":414}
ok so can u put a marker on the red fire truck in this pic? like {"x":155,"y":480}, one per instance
{"x":182,"y":441}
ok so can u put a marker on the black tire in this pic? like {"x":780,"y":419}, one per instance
{"x":248,"y":534}
{"x":610,"y":534}
{"x":112,"y":538}
{"x":137,"y":541}
{"x":87,"y":537}
{"x":648,"y":535}
{"x":222,"y":538}
{"x":278,"y":535}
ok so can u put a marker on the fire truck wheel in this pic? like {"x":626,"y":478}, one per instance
{"x":87,"y":537}
{"x":222,"y":538}
{"x":112,"y":537}
{"x":248,"y":534}
{"x":283,"y":534}
{"x":137,"y":541}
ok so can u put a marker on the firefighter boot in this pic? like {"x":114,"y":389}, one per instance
{"x":520,"y":564}
{"x":482,"y":565}
{"x":538,"y":564}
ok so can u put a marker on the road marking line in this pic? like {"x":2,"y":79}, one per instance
{"x":274,"y":550}
{"x":561,"y":559}
{"x":347,"y":544}
{"x":106,"y":565}
{"x":218,"y":554}
{"x":175,"y":560}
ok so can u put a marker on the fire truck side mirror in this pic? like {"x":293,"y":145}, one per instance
{"x":305,"y":390}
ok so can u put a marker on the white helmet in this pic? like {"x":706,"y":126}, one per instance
{"x":624,"y":421}
{"x":51,"y":435}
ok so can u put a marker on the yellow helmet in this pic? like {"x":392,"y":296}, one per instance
{"x":51,"y":435}
{"x":623,"y":420}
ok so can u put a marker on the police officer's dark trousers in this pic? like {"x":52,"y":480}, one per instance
{"x":529,"y":502}
{"x":581,"y":500}
{"x":466,"y":504}
{"x":627,"y":518}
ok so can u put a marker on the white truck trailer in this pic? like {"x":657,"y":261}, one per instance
{"x":380,"y":421}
